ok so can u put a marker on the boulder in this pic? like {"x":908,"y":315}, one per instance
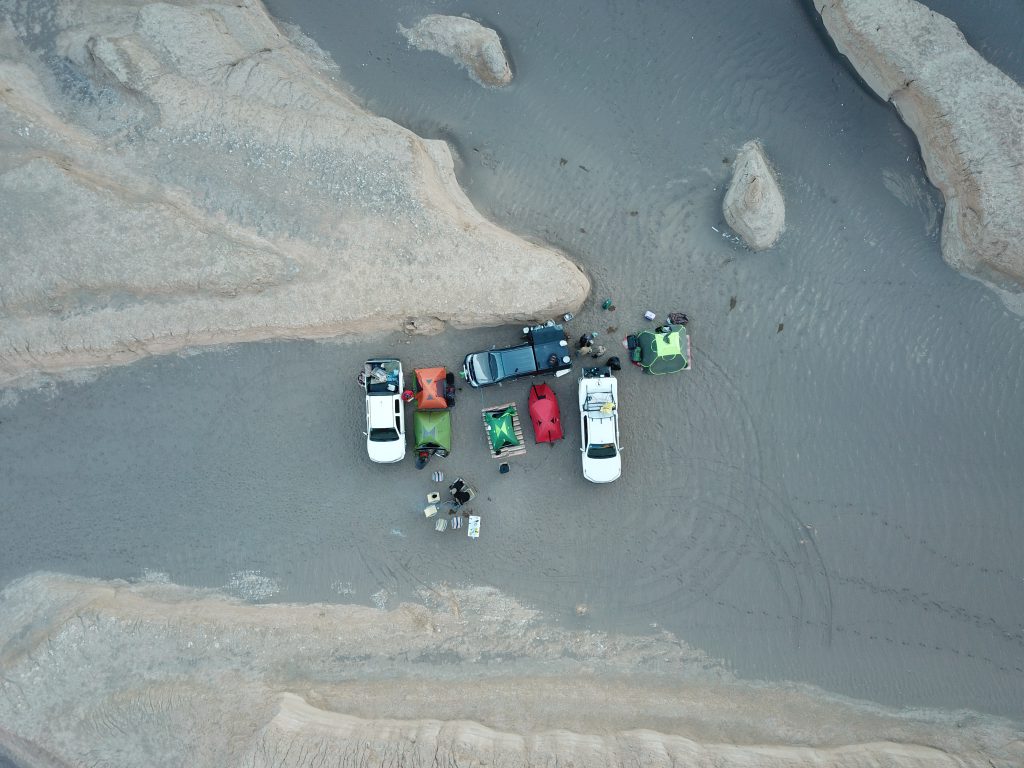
{"x":968,"y":117}
{"x":753,"y":204}
{"x":467,"y":43}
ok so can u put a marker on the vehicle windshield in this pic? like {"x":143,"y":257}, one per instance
{"x":495,"y":366}
{"x":383,"y":434}
{"x":601,"y":451}
{"x":479,"y":367}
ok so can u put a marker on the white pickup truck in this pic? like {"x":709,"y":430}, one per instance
{"x":385,"y":419}
{"x":599,"y":425}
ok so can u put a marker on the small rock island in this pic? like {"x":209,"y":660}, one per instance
{"x":753,"y":204}
{"x":466,"y":42}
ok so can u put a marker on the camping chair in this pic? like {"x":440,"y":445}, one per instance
{"x":461,"y":492}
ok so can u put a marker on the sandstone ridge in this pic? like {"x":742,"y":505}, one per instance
{"x":150,"y":673}
{"x":968,"y":117}
{"x":188,"y":173}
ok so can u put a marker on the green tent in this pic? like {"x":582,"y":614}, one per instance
{"x":501,"y":428}
{"x":432,"y":431}
{"x":664,"y":350}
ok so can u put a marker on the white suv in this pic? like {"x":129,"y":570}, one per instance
{"x":385,"y":419}
{"x":599,"y":425}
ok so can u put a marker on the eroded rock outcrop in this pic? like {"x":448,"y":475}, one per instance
{"x":473,"y":46}
{"x":967,"y":115}
{"x":185,"y":173}
{"x":753,"y":204}
{"x":155,"y":674}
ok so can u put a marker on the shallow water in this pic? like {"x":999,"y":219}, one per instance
{"x":992,"y":27}
{"x":832,"y":495}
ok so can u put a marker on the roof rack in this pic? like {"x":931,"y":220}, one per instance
{"x":596,"y":402}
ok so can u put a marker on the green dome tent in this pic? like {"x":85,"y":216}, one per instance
{"x":664,"y":350}
{"x":432,"y":431}
{"x":501,"y":429}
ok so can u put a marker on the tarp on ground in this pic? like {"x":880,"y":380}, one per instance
{"x":665,"y":350}
{"x":430,"y":387}
{"x":502,"y":431}
{"x":545,"y":415}
{"x":432,"y":430}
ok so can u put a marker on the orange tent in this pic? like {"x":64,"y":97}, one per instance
{"x":430,"y":385}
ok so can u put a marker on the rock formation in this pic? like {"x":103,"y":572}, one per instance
{"x":967,"y":115}
{"x":149,"y":673}
{"x":174,"y":174}
{"x":467,"y":43}
{"x":753,"y":204}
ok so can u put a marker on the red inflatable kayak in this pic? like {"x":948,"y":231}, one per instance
{"x":547,"y":421}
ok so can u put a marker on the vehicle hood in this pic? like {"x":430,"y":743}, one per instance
{"x":602,"y":470}
{"x":386,"y":453}
{"x":478,"y":368}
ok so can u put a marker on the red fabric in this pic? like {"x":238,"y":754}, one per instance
{"x":547,"y":421}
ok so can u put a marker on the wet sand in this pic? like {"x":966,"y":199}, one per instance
{"x":831,"y":496}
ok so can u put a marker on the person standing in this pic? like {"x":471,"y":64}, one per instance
{"x":585,"y":345}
